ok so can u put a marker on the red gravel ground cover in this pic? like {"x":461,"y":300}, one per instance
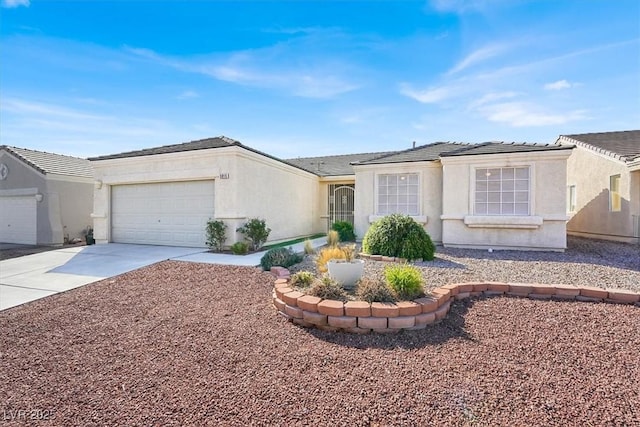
{"x":192,"y":344}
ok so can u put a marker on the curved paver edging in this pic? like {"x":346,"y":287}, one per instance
{"x":364,"y":317}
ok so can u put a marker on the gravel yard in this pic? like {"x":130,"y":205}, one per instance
{"x":585,"y":263}
{"x":178,"y":343}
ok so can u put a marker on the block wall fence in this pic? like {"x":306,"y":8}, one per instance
{"x":362,"y":317}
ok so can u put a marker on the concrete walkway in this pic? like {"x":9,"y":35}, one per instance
{"x":32,"y":277}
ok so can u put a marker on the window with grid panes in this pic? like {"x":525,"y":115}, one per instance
{"x":502,"y":191}
{"x":398,"y":193}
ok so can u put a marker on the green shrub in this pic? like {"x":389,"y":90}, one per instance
{"x":345,"y":231}
{"x":333,"y":238}
{"x":240,"y":248}
{"x":405,"y":280}
{"x":398,"y":236}
{"x":216,"y":234}
{"x":303,"y":279}
{"x":371,"y":290}
{"x":283,"y":257}
{"x":326,"y":288}
{"x":256,"y":231}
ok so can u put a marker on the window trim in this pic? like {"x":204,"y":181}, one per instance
{"x":618,"y":178}
{"x":531,"y":189}
{"x":572,"y":202}
{"x":394,"y":172}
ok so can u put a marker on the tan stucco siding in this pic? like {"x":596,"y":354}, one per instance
{"x":69,"y":208}
{"x":543,"y":229}
{"x":286,"y":197}
{"x":429,"y":200}
{"x":590,"y":172}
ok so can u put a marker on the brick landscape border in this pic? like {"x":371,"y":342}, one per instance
{"x":363,"y":317}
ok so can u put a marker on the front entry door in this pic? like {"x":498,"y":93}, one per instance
{"x":341,"y":202}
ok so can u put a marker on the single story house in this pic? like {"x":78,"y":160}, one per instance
{"x":490,"y":195}
{"x":603,"y":185}
{"x":45,"y":198}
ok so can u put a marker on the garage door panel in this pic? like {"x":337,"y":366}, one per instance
{"x":162,"y":213}
{"x":18,"y":220}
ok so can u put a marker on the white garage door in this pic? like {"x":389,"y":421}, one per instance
{"x":171,"y":214}
{"x":18,"y":220}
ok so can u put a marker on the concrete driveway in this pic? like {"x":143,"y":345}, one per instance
{"x":39,"y":275}
{"x":36,"y":276}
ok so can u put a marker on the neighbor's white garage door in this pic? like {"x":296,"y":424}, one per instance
{"x":18,"y":220}
{"x":172,"y":214}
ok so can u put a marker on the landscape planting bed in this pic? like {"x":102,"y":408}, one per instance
{"x":363,"y":317}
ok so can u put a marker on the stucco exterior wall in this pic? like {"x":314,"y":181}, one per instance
{"x":543,"y":229}
{"x":286,"y":197}
{"x":70,"y":203}
{"x":590,"y":172}
{"x":247,"y":185}
{"x":65,"y":203}
{"x":430,"y":195}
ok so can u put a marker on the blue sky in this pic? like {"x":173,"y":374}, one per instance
{"x":304,"y":78}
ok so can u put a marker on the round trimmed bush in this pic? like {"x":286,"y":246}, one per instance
{"x":398,"y":236}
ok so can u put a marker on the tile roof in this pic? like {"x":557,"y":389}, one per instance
{"x":423,"y":153}
{"x":333,"y":165}
{"x":49,"y":163}
{"x":622,"y":145}
{"x":503,"y":148}
{"x":202,"y":144}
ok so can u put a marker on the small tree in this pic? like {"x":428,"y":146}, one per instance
{"x":216,"y":234}
{"x":256,"y":231}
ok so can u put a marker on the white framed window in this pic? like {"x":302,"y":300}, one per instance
{"x":502,"y":191}
{"x":615,"y":201}
{"x":571,"y":198}
{"x":398,"y":193}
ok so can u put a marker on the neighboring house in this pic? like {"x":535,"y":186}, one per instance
{"x":603,"y":185}
{"x":490,"y":195}
{"x":45,"y":198}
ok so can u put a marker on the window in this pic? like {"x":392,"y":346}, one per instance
{"x":615,"y":202}
{"x":502,"y":191}
{"x":398,"y":193}
{"x":571,"y":198}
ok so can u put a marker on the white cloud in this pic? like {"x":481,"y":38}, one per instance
{"x":519,"y":114}
{"x":18,"y":106}
{"x":188,"y":94}
{"x":559,"y":85}
{"x":10,"y":4}
{"x":428,"y":96}
{"x":269,"y":68}
{"x":477,"y":56}
{"x":464,"y":6}
{"x":491,"y":97}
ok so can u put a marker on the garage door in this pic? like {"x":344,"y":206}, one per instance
{"x":18,"y":220}
{"x":171,"y":214}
